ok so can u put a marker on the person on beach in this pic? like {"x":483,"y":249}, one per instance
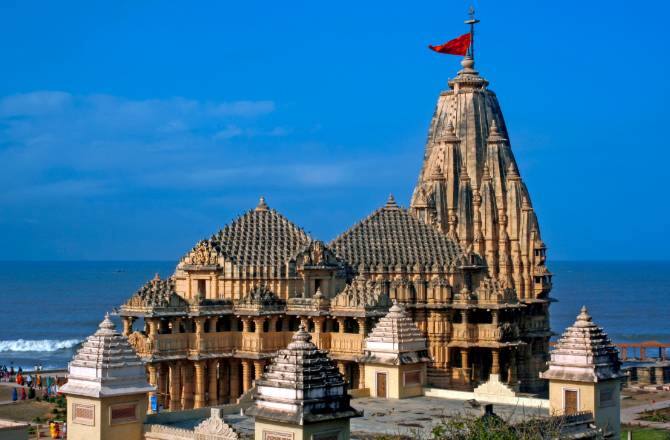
{"x":15,"y":395}
{"x":23,"y":393}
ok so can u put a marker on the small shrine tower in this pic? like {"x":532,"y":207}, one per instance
{"x":585,"y":375}
{"x":302,"y":395}
{"x":395,"y":357}
{"x":106,"y":389}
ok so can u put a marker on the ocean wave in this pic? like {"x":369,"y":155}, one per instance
{"x":43,"y":345}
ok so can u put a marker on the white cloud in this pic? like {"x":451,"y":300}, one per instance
{"x":34,"y":103}
{"x":58,"y":145}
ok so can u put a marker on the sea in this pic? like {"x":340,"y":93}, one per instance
{"x":49,"y":308}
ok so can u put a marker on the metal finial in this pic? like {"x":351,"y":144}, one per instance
{"x":472,"y":21}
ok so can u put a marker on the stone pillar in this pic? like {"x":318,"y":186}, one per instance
{"x":362,"y":330}
{"x":465,"y":364}
{"x":273,"y":323}
{"x":246,"y":375}
{"x":259,"y":324}
{"x":128,"y":325}
{"x":213,"y":382}
{"x":224,"y":388}
{"x":161,"y":383}
{"x":186,"y":384}
{"x":234,"y":380}
{"x":340,"y":324}
{"x":495,"y":361}
{"x":212,"y":324}
{"x":151,"y":368}
{"x":361,"y":375}
{"x":512,"y":368}
{"x":199,"y":330}
{"x":318,"y":323}
{"x":304,"y":320}
{"x":199,"y":384}
{"x":246,"y":325}
{"x":175,"y":397}
{"x":464,"y":316}
{"x":153,"y":328}
{"x":259,"y":364}
{"x":494,"y":317}
{"x":342,"y":366}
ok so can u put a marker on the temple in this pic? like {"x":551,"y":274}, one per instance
{"x":465,"y":262}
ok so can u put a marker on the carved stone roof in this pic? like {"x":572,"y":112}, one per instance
{"x":261,"y":299}
{"x":106,"y":365}
{"x":491,"y":291}
{"x":392,"y":236}
{"x":302,"y":385}
{"x":212,"y":428}
{"x":395,"y":340}
{"x":260,"y":238}
{"x":363,"y":294}
{"x":156,"y":294}
{"x":317,"y":255}
{"x":584,"y":353}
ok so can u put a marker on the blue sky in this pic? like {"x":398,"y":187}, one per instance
{"x":129,"y":130}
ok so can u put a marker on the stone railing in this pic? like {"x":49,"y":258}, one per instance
{"x":162,"y":432}
{"x":346,"y":343}
{"x":322,"y":340}
{"x":171,"y":344}
{"x":192,"y":344}
{"x":218,"y":342}
{"x":476,"y":332}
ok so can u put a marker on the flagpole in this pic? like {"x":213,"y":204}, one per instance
{"x":472,"y":21}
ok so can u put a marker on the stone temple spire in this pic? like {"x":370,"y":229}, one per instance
{"x":468,"y":134}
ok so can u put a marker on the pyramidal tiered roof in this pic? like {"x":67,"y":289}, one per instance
{"x":396,"y":340}
{"x":106,"y":365}
{"x":261,"y":237}
{"x":584,"y":353}
{"x":302,"y":385}
{"x":392,"y":236}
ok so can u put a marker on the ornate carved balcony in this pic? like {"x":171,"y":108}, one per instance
{"x":349,"y":344}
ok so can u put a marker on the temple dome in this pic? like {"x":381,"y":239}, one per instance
{"x":584,"y":353}
{"x":106,"y":365}
{"x":302,"y":385}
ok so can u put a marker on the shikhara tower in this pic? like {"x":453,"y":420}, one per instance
{"x":470,"y":188}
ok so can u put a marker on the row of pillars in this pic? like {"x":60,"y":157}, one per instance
{"x":186,"y":384}
{"x":466,"y":365}
{"x":197,"y":325}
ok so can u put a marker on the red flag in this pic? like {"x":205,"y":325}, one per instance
{"x":457,"y":46}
